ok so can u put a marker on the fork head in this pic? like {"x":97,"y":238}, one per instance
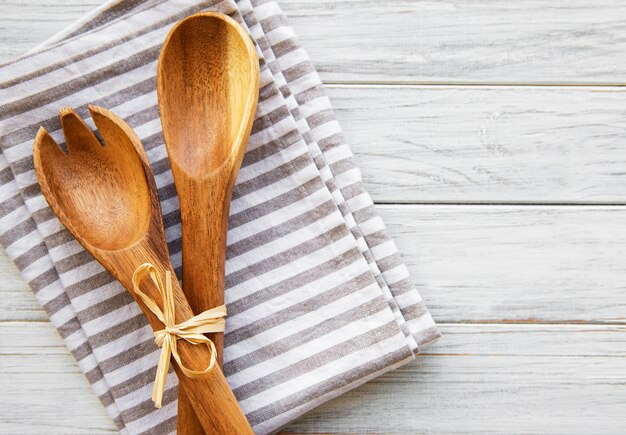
{"x":103,"y":193}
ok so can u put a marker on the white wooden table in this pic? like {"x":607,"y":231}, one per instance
{"x":493,"y":136}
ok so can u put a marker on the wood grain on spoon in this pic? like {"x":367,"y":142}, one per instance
{"x":208,"y":86}
{"x":105,"y":195}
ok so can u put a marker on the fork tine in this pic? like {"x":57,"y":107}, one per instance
{"x":45,"y":148}
{"x":114,"y":130}
{"x":78,"y":135}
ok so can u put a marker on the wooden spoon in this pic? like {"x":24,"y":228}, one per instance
{"x":107,"y":198}
{"x":208,"y":87}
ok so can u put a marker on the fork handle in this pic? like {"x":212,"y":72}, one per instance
{"x":212,"y":400}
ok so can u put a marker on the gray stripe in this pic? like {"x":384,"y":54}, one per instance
{"x":301,"y":337}
{"x":83,"y":351}
{"x":315,"y":361}
{"x":6,"y":176}
{"x":95,"y":375}
{"x":71,"y":326}
{"x":403,"y":286}
{"x":50,"y":95}
{"x":427,"y":335}
{"x":107,"y":306}
{"x":365,"y":214}
{"x":342,"y":166}
{"x":103,"y":47}
{"x":276,"y":174}
{"x":53,"y":123}
{"x":337,"y":382}
{"x":59,"y":238}
{"x":298,"y":71}
{"x":280,"y":230}
{"x":30,"y":256}
{"x":89,"y":284}
{"x":165,"y":427}
{"x":147,"y":407}
{"x":73,"y":261}
{"x":43,"y":280}
{"x":289,"y":284}
{"x":269,"y":149}
{"x":118,"y":421}
{"x":334,"y":140}
{"x":17,"y":232}
{"x":390,"y":262}
{"x":288,"y":256}
{"x":414,"y":311}
{"x":267,"y":207}
{"x":10,"y":204}
{"x":115,"y":331}
{"x":56,"y":304}
{"x":353,"y":190}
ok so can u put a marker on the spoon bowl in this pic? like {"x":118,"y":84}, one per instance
{"x":208,"y":72}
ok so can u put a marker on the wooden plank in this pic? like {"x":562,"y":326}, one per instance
{"x":478,"y":378}
{"x":43,"y":389}
{"x":515,"y":263}
{"x":487,"y":144}
{"x":479,"y":263}
{"x":475,"y":41}
{"x":18,"y":301}
{"x":26,"y":23}
{"x":493,"y":379}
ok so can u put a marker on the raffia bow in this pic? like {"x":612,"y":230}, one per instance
{"x":191,"y":330}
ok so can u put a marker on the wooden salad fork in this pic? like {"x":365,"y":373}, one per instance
{"x":106,"y":196}
{"x":208,"y":87}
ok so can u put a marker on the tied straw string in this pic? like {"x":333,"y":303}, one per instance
{"x":191,"y":330}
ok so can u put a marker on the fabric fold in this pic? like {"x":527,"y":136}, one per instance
{"x":319,"y":299}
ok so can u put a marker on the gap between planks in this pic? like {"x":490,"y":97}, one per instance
{"x":552,"y":204}
{"x":453,"y":84}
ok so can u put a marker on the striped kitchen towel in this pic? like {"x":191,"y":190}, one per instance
{"x":318,"y":298}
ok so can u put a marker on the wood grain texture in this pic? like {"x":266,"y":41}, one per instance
{"x":106,"y":196}
{"x":18,"y":300}
{"x":487,"y":144}
{"x":515,"y":263}
{"x":26,"y":23}
{"x":43,"y":386}
{"x":450,"y":41}
{"x":476,"y":263}
{"x":208,"y":87}
{"x":522,"y":269}
{"x":454,"y":41}
{"x":480,"y":378}
{"x":493,"y":379}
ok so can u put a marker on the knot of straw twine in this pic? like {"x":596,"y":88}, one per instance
{"x":191,"y":330}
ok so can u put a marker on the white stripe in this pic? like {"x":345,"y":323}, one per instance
{"x":327,"y":371}
{"x":289,"y":270}
{"x":306,"y":320}
{"x":296,"y":295}
{"x":332,"y":338}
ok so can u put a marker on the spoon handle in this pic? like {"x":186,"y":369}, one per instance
{"x":204,"y":215}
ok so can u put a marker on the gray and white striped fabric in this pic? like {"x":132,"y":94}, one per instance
{"x":318,"y":298}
